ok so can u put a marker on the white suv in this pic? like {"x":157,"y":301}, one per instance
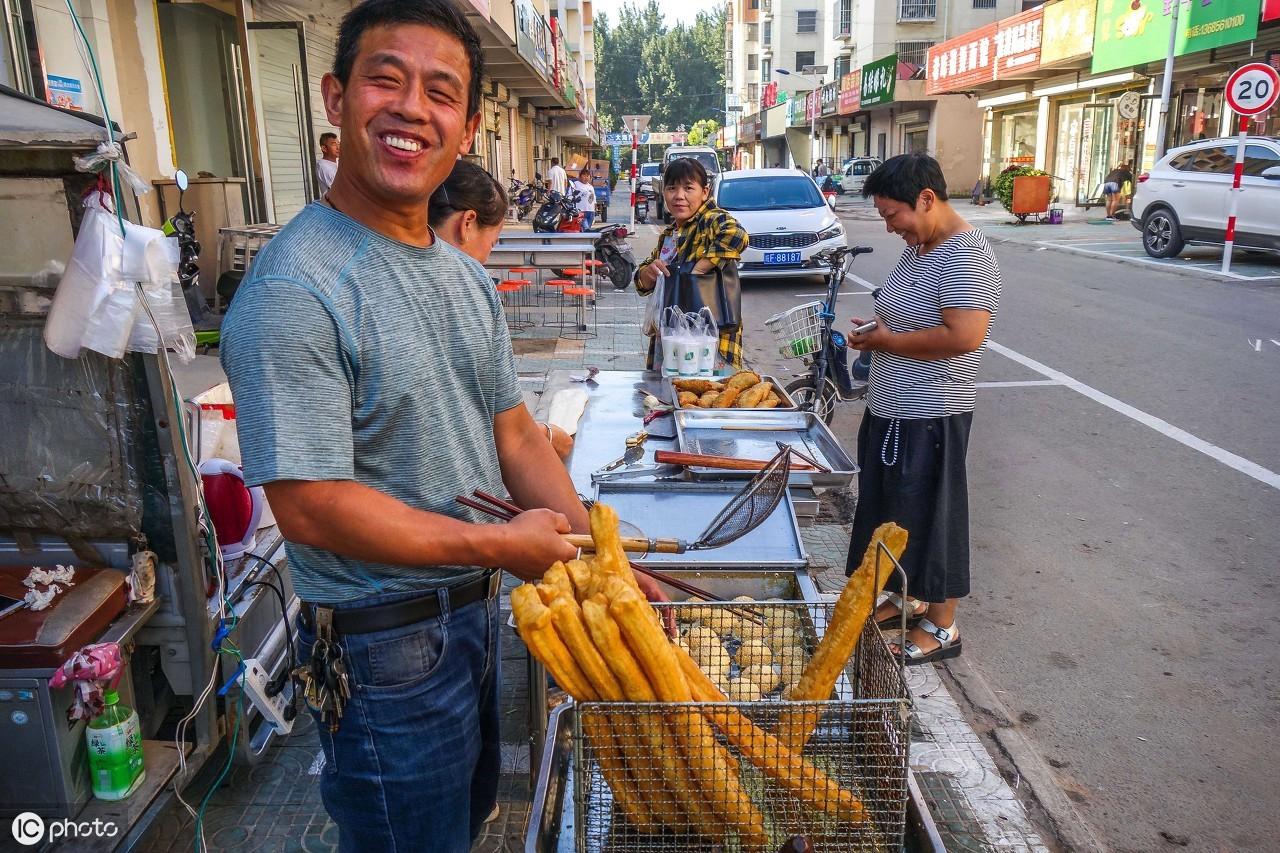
{"x":1183,"y":199}
{"x":786,"y":220}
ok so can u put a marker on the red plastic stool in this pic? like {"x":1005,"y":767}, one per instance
{"x":510,"y":290}
{"x":557,"y":285}
{"x":579,"y":331}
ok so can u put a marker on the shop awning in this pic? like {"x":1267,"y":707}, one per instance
{"x":28,"y":123}
{"x":504,"y":64}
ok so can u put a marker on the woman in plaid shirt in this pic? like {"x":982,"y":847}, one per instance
{"x":702,"y":232}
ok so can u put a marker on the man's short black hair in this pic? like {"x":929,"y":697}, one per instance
{"x":685,"y":169}
{"x":904,"y":177}
{"x":555,"y":161}
{"x":326,"y":136}
{"x":432,"y":13}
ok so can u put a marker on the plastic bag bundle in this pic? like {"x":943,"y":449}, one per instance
{"x":706,"y":334}
{"x":98,"y":302}
{"x":676,"y":343}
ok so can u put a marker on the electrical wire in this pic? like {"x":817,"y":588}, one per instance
{"x":204,"y":519}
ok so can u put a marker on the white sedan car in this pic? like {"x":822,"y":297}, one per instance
{"x":787,"y":220}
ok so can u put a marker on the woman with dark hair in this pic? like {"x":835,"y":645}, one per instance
{"x":697,"y":256}
{"x":933,"y":315}
{"x":468,"y":210}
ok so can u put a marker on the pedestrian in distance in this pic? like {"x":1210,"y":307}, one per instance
{"x":697,"y":257}
{"x":558,"y":177}
{"x":1113,"y":189}
{"x":586,"y":198}
{"x":327,"y":165}
{"x":932,"y":316}
{"x":468,"y":211}
{"x":374,"y":382}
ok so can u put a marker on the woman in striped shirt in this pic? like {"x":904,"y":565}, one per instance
{"x":932,"y":319}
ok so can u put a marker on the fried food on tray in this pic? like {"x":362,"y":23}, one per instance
{"x":708,"y":399}
{"x":754,"y":396}
{"x":727,"y":398}
{"x":791,"y":666}
{"x":687,"y":399}
{"x":772,"y":401}
{"x":770,"y":755}
{"x":697,"y":386}
{"x":701,"y":635}
{"x":742,"y":380}
{"x":714,"y":660}
{"x":782,"y":640}
{"x":847,"y":621}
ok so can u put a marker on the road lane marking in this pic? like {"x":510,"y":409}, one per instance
{"x":1022,"y":383}
{"x":1226,"y":457}
{"x":1204,"y":266}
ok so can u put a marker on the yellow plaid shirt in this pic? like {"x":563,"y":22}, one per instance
{"x":714,"y":235}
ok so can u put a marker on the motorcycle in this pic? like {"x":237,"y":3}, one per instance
{"x":613,"y":249}
{"x":522,"y":197}
{"x":830,"y":378}
{"x":558,"y":213}
{"x":183,"y":226}
{"x":642,"y":206}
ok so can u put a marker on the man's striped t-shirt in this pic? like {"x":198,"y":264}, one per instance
{"x":961,"y":272}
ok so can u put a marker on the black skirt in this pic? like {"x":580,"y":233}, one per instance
{"x":922,"y":485}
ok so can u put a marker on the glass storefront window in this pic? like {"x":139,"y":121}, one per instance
{"x":1066,"y":163}
{"x":916,"y":141}
{"x":1199,"y":116}
{"x":1013,"y":139}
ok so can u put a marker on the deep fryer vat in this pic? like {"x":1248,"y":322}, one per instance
{"x":860,"y":742}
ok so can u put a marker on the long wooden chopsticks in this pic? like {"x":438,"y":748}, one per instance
{"x":496,"y":507}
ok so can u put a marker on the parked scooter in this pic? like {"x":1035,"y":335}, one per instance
{"x":613,"y":249}
{"x":559,"y":213}
{"x":183,"y":225}
{"x":642,"y":206}
{"x":523,"y":196}
{"x":602,"y":204}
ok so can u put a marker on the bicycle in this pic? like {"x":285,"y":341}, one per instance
{"x":806,"y":332}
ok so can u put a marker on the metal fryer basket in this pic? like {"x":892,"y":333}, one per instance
{"x":860,"y":742}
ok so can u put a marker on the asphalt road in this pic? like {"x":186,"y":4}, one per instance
{"x":1125,"y":533}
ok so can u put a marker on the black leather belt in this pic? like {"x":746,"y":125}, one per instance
{"x":386,"y":617}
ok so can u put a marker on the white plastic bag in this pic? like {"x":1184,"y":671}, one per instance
{"x":653,"y":307}
{"x":87,"y":285}
{"x":707,"y":335}
{"x":674,"y":337}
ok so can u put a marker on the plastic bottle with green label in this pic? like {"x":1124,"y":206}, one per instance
{"x":115,"y":750}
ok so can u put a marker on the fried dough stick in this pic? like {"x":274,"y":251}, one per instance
{"x":610,"y":558}
{"x":707,"y":759}
{"x":533,"y":618}
{"x":635,"y":686}
{"x":567,"y":617}
{"x":847,"y":620}
{"x":770,"y":755}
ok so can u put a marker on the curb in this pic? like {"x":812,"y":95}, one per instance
{"x":1068,"y":826}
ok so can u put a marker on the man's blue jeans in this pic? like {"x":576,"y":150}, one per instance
{"x":588,"y":218}
{"x":414,"y":764}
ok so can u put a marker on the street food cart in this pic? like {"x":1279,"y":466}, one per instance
{"x":97,"y":471}
{"x":865,"y":739}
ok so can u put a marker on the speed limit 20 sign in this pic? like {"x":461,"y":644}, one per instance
{"x":1253,"y":88}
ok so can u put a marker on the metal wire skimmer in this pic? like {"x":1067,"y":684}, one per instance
{"x":746,"y":511}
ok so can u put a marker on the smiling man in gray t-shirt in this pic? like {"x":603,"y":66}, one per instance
{"x":374,"y":382}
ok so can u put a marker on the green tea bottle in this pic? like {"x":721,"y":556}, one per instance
{"x":115,"y":750}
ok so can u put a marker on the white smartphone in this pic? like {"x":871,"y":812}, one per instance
{"x":864,"y":328}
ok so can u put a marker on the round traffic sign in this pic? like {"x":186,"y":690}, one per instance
{"x":1253,"y":88}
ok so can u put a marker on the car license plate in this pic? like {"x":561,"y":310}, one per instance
{"x":782,"y":257}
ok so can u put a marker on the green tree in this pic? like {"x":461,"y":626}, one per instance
{"x":643,"y":67}
{"x":704,"y":131}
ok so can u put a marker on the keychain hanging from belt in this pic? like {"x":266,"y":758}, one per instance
{"x":326,"y":686}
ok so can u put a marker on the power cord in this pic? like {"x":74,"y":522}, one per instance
{"x":286,"y":674}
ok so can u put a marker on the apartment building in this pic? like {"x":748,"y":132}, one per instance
{"x":229,"y":91}
{"x":802,"y":118}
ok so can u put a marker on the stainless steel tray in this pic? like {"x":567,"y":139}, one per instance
{"x":788,"y":403}
{"x":754,"y":434}
{"x":682,"y":510}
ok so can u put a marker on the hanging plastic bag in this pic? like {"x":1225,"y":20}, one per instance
{"x":707,"y":335}
{"x":653,"y":308}
{"x":675,"y":337}
{"x":97,"y":304}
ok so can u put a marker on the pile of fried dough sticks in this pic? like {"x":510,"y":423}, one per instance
{"x":590,"y":626}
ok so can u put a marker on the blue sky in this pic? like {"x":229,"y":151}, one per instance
{"x":672,"y":10}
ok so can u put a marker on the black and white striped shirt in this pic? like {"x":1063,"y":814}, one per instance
{"x":961,"y":272}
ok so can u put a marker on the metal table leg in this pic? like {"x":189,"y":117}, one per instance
{"x":537,"y":715}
